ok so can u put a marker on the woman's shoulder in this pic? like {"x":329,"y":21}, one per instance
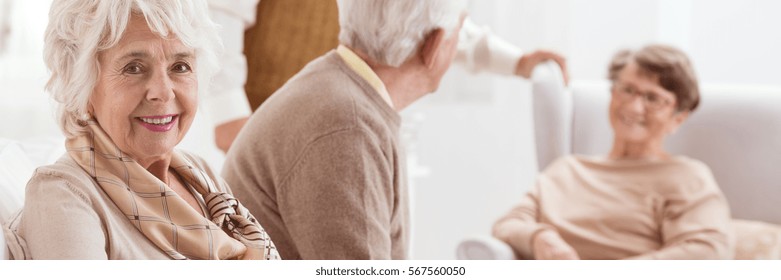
{"x":63,"y":175}
{"x":565,"y":160}
{"x":689,"y":162}
{"x":687,"y":175}
{"x":677,"y":170}
{"x":579,"y":162}
{"x":565,"y":165}
{"x":672,"y":165}
{"x":64,"y":167}
{"x":689,"y":166}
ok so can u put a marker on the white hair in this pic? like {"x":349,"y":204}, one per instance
{"x":391,"y":31}
{"x":79,"y":30}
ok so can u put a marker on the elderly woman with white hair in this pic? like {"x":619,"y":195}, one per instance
{"x":320,"y":161}
{"x":126,"y":75}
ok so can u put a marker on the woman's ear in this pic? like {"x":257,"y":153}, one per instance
{"x":677,"y":119}
{"x":90,"y":110}
{"x":431,"y":47}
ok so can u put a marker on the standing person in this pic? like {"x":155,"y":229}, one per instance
{"x":285,"y":35}
{"x":321,"y":159}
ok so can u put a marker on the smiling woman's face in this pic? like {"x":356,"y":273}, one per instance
{"x":641,"y":110}
{"x":146,"y":94}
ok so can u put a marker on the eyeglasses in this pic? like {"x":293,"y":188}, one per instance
{"x":651,"y":100}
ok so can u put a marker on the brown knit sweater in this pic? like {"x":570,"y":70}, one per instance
{"x":320,"y":165}
{"x":287,"y":35}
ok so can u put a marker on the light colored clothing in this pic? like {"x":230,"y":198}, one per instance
{"x":321,"y":165}
{"x":70,"y":213}
{"x":226,"y":100}
{"x":478,"y":50}
{"x":617,"y":209}
{"x":362,"y":69}
{"x":481,"y":50}
{"x":228,"y":230}
{"x":242,"y":10}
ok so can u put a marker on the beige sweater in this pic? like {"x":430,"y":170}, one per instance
{"x":320,"y":165}
{"x":616,"y":209}
{"x":66,"y":215}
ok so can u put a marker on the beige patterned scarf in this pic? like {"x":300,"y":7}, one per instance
{"x":163,"y":216}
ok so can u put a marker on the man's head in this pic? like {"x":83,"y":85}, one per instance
{"x":418,"y":37}
{"x":391,"y":31}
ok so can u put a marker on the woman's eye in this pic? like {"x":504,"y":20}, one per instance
{"x":181,"y":68}
{"x":652,"y":98}
{"x":133,"y":69}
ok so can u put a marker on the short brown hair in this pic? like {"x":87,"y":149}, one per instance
{"x":670,"y":65}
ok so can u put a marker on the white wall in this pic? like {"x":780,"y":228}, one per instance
{"x":737,"y":41}
{"x":479,"y":159}
{"x":730,"y":41}
{"x":25,"y":108}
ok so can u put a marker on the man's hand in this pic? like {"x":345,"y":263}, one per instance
{"x":225,"y":133}
{"x":548,"y":245}
{"x":528,"y":61}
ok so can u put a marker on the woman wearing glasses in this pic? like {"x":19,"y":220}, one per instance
{"x":637,"y":202}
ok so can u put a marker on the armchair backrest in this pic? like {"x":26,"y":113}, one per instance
{"x":3,"y":248}
{"x":15,"y":170}
{"x":736,"y":131}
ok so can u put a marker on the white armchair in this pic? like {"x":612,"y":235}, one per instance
{"x":736,"y":131}
{"x":15,"y":169}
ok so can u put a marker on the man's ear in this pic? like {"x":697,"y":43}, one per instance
{"x":431,"y":47}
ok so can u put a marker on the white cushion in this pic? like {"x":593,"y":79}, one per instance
{"x":4,"y":250}
{"x":756,"y":240}
{"x":15,"y":170}
{"x":484,"y":248}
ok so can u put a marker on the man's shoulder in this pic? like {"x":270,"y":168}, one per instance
{"x":325,"y":78}
{"x":322,"y":98}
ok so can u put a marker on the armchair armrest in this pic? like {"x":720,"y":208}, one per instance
{"x":552,"y":109}
{"x":484,"y":248}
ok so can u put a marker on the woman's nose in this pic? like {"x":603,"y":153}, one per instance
{"x":636,"y":104}
{"x":160,"y":87}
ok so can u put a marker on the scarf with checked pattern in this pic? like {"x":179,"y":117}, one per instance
{"x":229,"y":232}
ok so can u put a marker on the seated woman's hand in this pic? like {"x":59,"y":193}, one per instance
{"x":548,"y":245}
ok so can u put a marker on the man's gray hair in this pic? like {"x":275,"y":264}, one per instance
{"x":79,"y":30}
{"x":391,"y":31}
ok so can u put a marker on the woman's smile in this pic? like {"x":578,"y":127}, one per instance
{"x":162,"y":123}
